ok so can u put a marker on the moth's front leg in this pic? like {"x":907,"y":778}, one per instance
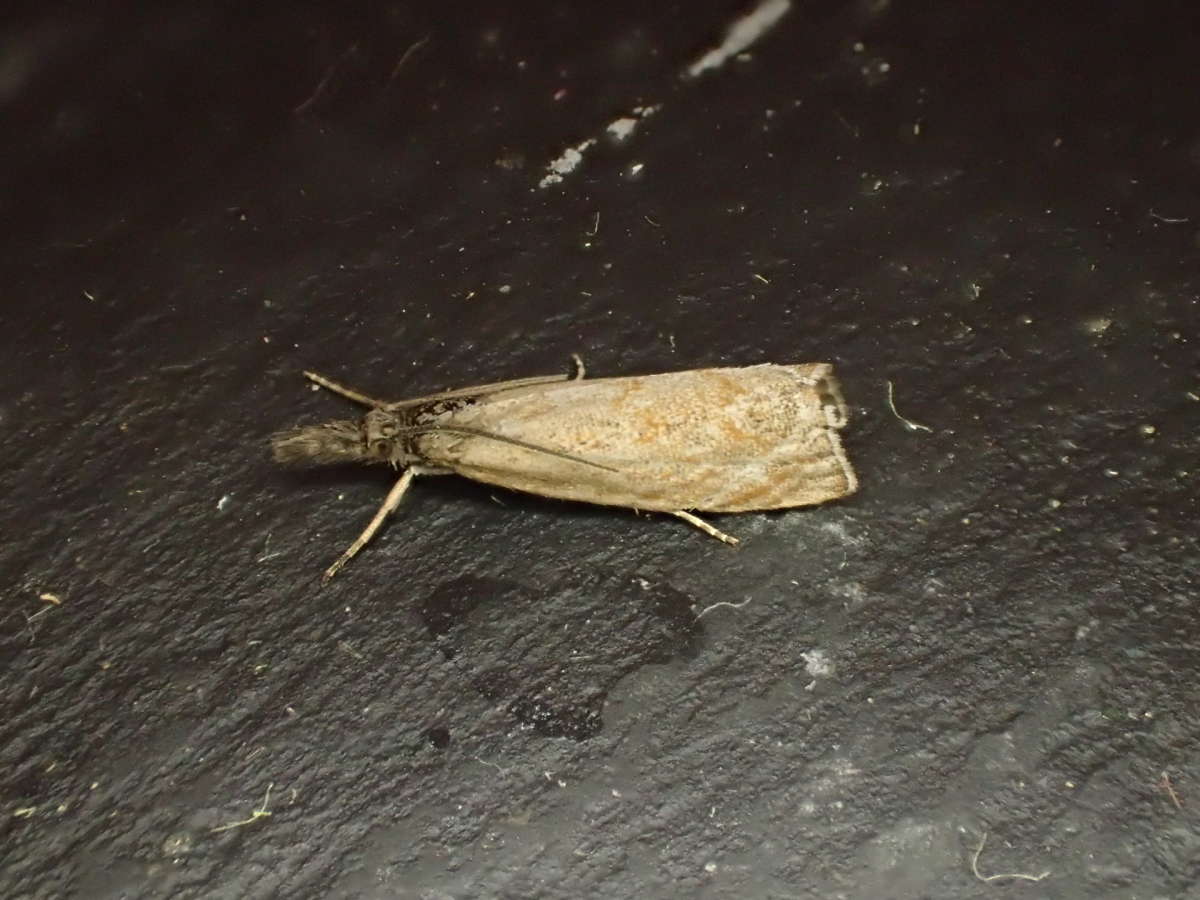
{"x":389,"y":506}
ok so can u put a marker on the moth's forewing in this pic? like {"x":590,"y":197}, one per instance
{"x":718,"y":440}
{"x":481,"y":390}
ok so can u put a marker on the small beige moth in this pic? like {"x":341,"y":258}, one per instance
{"x":711,"y":440}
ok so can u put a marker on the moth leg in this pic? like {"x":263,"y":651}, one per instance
{"x":389,"y":506}
{"x":580,"y":368}
{"x":705,"y":527}
{"x":342,"y":390}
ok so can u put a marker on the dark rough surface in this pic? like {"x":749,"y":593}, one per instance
{"x":994,"y":207}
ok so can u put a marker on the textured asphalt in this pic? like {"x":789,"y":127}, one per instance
{"x":986,"y":216}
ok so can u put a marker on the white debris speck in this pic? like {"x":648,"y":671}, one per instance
{"x":843,"y":768}
{"x":816,"y":663}
{"x":623,"y":128}
{"x":841,"y":533}
{"x":223,"y":502}
{"x":853,"y":594}
{"x":566,"y":163}
{"x":741,"y":34}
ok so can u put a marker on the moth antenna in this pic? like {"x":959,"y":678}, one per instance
{"x":504,"y":439}
{"x":341,"y":390}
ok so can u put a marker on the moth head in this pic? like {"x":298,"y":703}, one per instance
{"x":380,"y":431}
{"x":333,"y":442}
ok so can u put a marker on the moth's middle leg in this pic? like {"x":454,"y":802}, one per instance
{"x":387,"y":508}
{"x":705,"y":527}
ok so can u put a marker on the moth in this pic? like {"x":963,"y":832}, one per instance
{"x":709,"y":440}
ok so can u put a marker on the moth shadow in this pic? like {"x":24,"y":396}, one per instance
{"x":457,"y":491}
{"x":340,"y":476}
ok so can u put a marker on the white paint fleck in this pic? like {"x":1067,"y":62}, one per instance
{"x":620,"y":130}
{"x":1097,"y":325}
{"x":843,"y":768}
{"x":839,"y":531}
{"x":223,"y":502}
{"x":852,"y":593}
{"x":741,"y":34}
{"x":566,"y":163}
{"x":816,"y":663}
{"x":623,"y":128}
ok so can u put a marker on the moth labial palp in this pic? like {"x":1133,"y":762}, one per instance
{"x":710,"y":440}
